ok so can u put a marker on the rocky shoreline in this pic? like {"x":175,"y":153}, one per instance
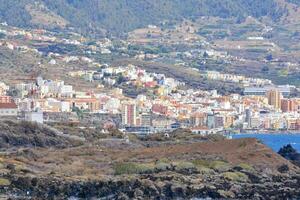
{"x":170,"y":185}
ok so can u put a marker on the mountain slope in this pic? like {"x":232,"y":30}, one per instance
{"x":118,"y":16}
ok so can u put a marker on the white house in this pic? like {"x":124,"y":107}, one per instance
{"x":201,"y":130}
{"x":34,"y":117}
{"x":66,"y":90}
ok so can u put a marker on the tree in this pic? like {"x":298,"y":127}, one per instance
{"x":120,"y":79}
{"x":265,"y":69}
{"x":2,"y":35}
{"x":205,"y":55}
{"x":78,"y":112}
{"x":14,"y":92}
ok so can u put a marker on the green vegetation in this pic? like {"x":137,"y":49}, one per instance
{"x":220,"y":165}
{"x":78,"y":112}
{"x":159,"y":166}
{"x":246,"y":167}
{"x":2,"y":35}
{"x":4,"y":182}
{"x":133,"y":168}
{"x":119,"y":16}
{"x":265,"y":69}
{"x":203,"y":163}
{"x":283,"y":72}
{"x":163,"y":165}
{"x":216,"y":165}
{"x":181,"y":166}
{"x":147,"y":49}
{"x":235,"y":176}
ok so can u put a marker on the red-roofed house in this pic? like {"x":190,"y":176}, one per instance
{"x":8,"y":109}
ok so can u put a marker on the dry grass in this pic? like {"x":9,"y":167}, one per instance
{"x":91,"y":162}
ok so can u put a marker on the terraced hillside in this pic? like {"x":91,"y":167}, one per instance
{"x":117,"y":16}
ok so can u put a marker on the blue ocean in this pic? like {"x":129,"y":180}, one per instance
{"x":274,"y":141}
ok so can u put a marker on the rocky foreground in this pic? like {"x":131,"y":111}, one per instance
{"x":182,"y":166}
{"x":236,"y":183}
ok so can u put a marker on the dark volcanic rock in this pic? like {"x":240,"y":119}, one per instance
{"x":157,"y":187}
{"x":283,"y":168}
{"x":289,"y":153}
{"x":26,"y":134}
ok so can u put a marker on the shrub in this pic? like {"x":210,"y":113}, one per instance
{"x":133,"y":168}
{"x":283,"y":168}
{"x":163,"y":160}
{"x":220,"y":165}
{"x":246,"y":167}
{"x":162,"y":166}
{"x":216,"y":165}
{"x":201,"y":163}
{"x":205,"y":170}
{"x":235,"y":176}
{"x":203,"y":166}
{"x":145,"y":168}
{"x":185,"y":167}
{"x":4,"y":182}
{"x":125,"y":168}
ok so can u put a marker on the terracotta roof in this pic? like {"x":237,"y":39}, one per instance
{"x":203,"y":128}
{"x":8,"y":106}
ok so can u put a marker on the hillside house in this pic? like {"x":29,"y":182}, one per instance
{"x":8,"y":109}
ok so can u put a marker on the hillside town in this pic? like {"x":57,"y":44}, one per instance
{"x":170,"y":105}
{"x":162,"y":99}
{"x":162,"y":104}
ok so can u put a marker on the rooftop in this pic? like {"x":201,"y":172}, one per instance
{"x":8,"y":106}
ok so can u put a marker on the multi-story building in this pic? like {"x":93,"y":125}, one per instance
{"x":146,"y":119}
{"x":248,"y":116}
{"x":228,"y":122}
{"x":255,"y":122}
{"x":274,"y":98}
{"x":91,"y":104}
{"x":5,"y":99}
{"x":199,"y":119}
{"x":160,"y":109}
{"x":288,"y":105}
{"x":262,"y":91}
{"x":129,"y":114}
{"x":219,"y":121}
